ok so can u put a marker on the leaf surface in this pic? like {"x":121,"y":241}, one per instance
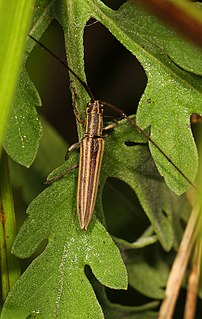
{"x":171,"y":96}
{"x":55,"y":283}
{"x":58,"y":287}
{"x":23,"y":129}
{"x":148,"y":276}
{"x":58,"y":281}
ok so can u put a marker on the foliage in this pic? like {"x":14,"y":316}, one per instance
{"x":67,"y":278}
{"x":14,"y":23}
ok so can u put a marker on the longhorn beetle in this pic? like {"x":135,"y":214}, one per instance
{"x":92,"y":148}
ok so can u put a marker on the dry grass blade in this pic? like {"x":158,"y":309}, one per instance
{"x":193,"y":283}
{"x":179,"y":266}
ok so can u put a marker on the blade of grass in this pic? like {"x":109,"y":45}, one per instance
{"x":14,"y":23}
{"x":191,"y":237}
{"x":195,"y":273}
{"x":10,"y":271}
{"x":179,"y":266}
{"x":193,"y":283}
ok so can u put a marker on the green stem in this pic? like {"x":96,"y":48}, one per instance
{"x":15,"y":18}
{"x":10,"y":270}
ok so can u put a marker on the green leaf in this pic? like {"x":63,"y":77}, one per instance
{"x":180,"y":51}
{"x":56,"y":275}
{"x":171,"y":95}
{"x":148,"y":275}
{"x":126,"y":312}
{"x":170,"y":106}
{"x":122,"y":220}
{"x":129,"y":313}
{"x":51,"y":154}
{"x":114,"y":310}
{"x":135,"y":167}
{"x":147,"y":238}
{"x":55,"y":283}
{"x":24,"y":129}
{"x":14,"y":22}
{"x":76,"y":27}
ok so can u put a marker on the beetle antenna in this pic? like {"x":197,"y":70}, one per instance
{"x":85,"y":85}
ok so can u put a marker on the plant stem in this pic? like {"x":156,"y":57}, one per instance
{"x":10,"y":270}
{"x":179,"y":266}
{"x":193,"y":282}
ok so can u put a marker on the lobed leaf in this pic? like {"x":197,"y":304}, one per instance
{"x":148,"y":275}
{"x":51,"y":154}
{"x":23,"y":129}
{"x":172,"y":94}
{"x":55,"y":284}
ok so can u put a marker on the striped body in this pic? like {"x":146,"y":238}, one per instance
{"x":91,"y":154}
